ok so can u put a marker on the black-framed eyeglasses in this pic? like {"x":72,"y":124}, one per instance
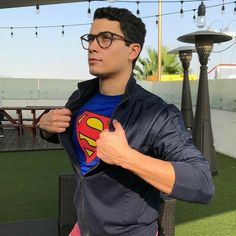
{"x":104,"y":39}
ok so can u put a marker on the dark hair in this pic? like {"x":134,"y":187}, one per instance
{"x":132,"y":27}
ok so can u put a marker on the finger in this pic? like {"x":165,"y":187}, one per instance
{"x":63,"y":111}
{"x":117,"y":125}
{"x":60,"y":118}
{"x":60,"y":124}
{"x":49,"y":125}
{"x":57,"y":115}
{"x":58,"y":130}
{"x":104,"y":132}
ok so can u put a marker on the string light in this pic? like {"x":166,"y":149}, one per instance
{"x":194,"y":16}
{"x":89,"y":9}
{"x":62,"y":31}
{"x":12,"y":34}
{"x":138,"y":11}
{"x":181,"y":9}
{"x":36,"y":32}
{"x":200,"y":15}
{"x":201,"y":18}
{"x":223,"y":8}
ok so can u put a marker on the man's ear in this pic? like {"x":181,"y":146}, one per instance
{"x":135,"y":49}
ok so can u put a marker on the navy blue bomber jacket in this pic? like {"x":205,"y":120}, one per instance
{"x":111,"y":200}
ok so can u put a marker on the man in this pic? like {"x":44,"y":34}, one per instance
{"x":125,"y":144}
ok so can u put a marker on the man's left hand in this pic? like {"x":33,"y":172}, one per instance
{"x":112,"y":147}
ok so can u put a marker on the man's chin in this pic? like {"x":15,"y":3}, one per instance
{"x":99,"y":74}
{"x":94,"y":73}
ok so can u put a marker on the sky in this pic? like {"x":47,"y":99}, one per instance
{"x":52,"y":56}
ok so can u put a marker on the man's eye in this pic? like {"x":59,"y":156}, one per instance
{"x":105,"y":36}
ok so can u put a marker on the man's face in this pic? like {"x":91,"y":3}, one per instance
{"x":109,"y":61}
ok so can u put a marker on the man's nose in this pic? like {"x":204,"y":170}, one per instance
{"x":93,"y":45}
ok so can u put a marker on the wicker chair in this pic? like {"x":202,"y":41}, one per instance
{"x":37,"y":227}
{"x":67,"y":214}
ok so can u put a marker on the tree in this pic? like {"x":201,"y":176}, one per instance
{"x":146,"y":67}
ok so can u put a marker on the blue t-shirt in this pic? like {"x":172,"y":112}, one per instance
{"x":90,"y":120}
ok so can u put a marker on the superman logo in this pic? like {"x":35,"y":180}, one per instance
{"x":88,"y":128}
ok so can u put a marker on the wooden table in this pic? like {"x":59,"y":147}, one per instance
{"x":13,"y":122}
{"x":19,"y":121}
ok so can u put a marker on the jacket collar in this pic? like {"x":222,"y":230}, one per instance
{"x":88,"y":87}
{"x":130,"y":87}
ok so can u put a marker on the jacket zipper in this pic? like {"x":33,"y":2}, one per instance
{"x":86,"y":230}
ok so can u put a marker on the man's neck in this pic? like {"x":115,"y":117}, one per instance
{"x":112,"y":85}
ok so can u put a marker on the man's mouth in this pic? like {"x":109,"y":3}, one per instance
{"x":93,"y":60}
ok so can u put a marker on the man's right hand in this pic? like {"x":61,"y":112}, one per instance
{"x":55,"y":121}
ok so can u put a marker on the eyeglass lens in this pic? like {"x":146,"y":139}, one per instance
{"x":103,"y":39}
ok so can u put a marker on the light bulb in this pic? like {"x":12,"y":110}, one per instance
{"x":194,"y":16}
{"x":201,"y":21}
{"x":201,"y":18}
{"x":12,"y":34}
{"x":181,"y":13}
{"x":138,"y":13}
{"x":223,"y":10}
{"x":89,"y":13}
{"x":36,"y":32}
{"x":62,"y":31}
{"x":37,"y":11}
{"x":89,"y":9}
{"x":181,"y":10}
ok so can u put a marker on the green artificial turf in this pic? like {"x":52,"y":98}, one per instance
{"x":29,"y":190}
{"x":29,"y":184}
{"x":219,"y":216}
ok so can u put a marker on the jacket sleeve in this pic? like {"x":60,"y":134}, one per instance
{"x":50,"y":137}
{"x":174,"y":143}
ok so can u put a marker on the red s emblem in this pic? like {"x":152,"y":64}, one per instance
{"x":88,"y":128}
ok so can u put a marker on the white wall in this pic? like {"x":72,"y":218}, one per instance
{"x":223,"y":108}
{"x":224,"y":131}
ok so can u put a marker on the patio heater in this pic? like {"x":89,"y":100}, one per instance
{"x":202,"y":131}
{"x":185,"y":55}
